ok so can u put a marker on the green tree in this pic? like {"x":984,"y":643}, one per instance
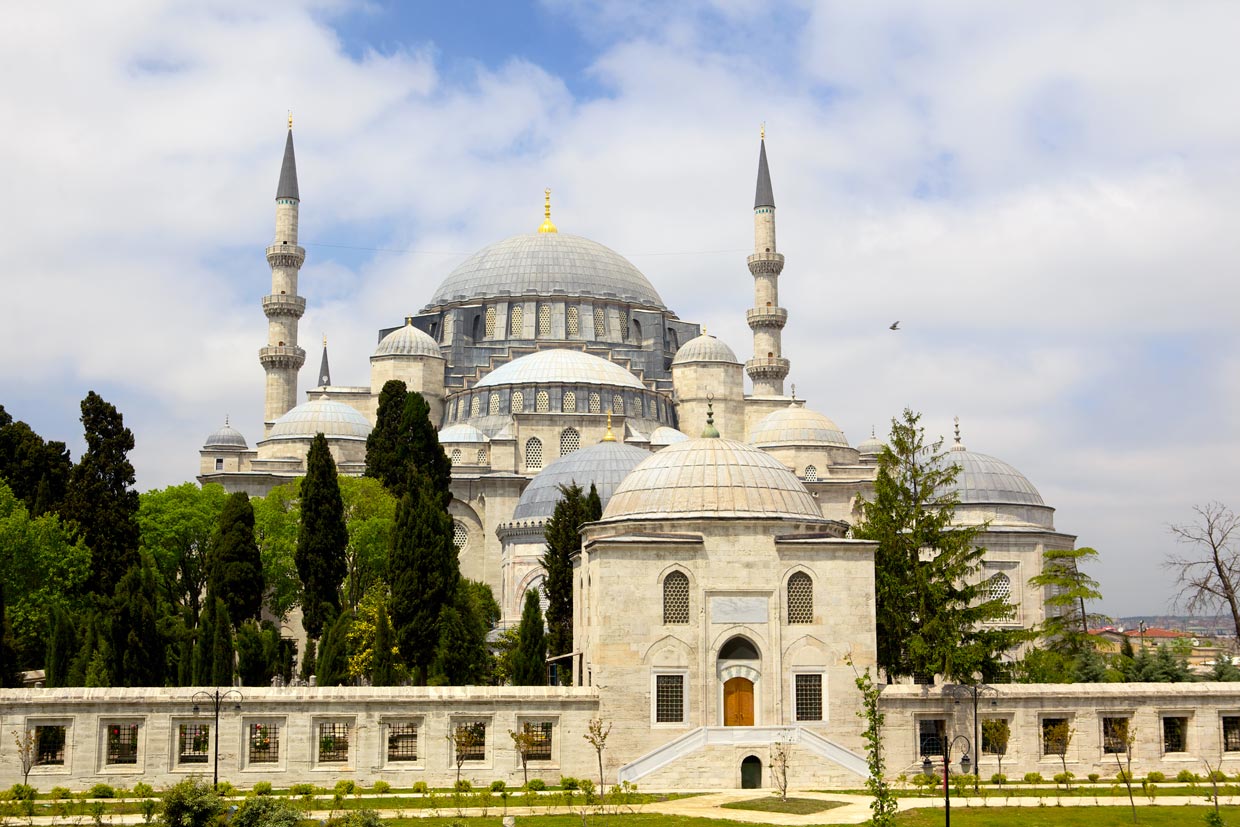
{"x":594,"y":504}
{"x":385,"y":459}
{"x":529,"y":661}
{"x":322,"y":539}
{"x":383,"y":664}
{"x":929,"y":607}
{"x":1067,"y":587}
{"x":259,"y":653}
{"x":100,"y":496}
{"x":138,"y":646}
{"x":277,"y":523}
{"x":178,"y":525}
{"x":423,"y":450}
{"x":369,"y":514}
{"x":1224,"y":670}
{"x":235,"y":567}
{"x":10,"y":675}
{"x":90,"y":665}
{"x":62,"y":645}
{"x":37,"y":470}
{"x":452,"y":659}
{"x":204,"y":645}
{"x":223,"y":651}
{"x":563,"y":535}
{"x":332,"y":668}
{"x":1089,"y":667}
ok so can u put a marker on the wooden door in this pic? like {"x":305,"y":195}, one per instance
{"x":738,"y":702}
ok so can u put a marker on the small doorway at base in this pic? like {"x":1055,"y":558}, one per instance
{"x":751,"y":773}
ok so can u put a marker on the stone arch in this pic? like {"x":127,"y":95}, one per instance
{"x":668,"y":651}
{"x":476,"y":328}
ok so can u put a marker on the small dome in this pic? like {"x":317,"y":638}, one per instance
{"x":546,"y":264}
{"x":704,"y":348}
{"x":604,"y":465}
{"x":226,"y":437}
{"x":987,"y":480}
{"x":335,"y":420}
{"x":711,"y":478}
{"x":407,"y":341}
{"x":871,"y":447}
{"x":663,"y":435}
{"x":462,"y":432}
{"x":560,"y":366}
{"x":796,"y":425}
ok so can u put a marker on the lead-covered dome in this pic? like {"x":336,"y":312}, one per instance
{"x":407,"y":341}
{"x":711,"y":478}
{"x":983,"y":479}
{"x":665,"y":435}
{"x":226,"y":437}
{"x":335,"y":420}
{"x":704,"y":348}
{"x":462,"y":432}
{"x":603,"y":465}
{"x":552,"y":366}
{"x":546,"y":264}
{"x":796,"y":426}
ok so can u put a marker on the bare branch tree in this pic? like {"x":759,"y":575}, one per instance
{"x":1209,"y":576}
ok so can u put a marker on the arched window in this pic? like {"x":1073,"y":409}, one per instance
{"x":570,"y":441}
{"x":800,"y":598}
{"x":533,"y":453}
{"x":538,"y":587}
{"x":490,"y":323}
{"x":477,"y":327}
{"x":600,"y":322}
{"x":518,"y":402}
{"x":596,"y":403}
{"x":674,"y":339}
{"x":542,"y":402}
{"x":637,"y":407}
{"x":515,"y":322}
{"x":460,"y":535}
{"x":999,"y":587}
{"x":617,"y":404}
{"x":544,"y":320}
{"x":637,"y":330}
{"x":456,"y":456}
{"x":572,"y":322}
{"x":569,"y":403}
{"x":493,"y":404}
{"x":676,"y":598}
{"x":811,"y":473}
{"x":475,"y":405}
{"x":482,"y":456}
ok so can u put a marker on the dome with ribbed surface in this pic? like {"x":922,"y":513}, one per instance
{"x":335,"y":420}
{"x":711,"y":478}
{"x":987,"y":480}
{"x":546,"y":264}
{"x":560,"y":366}
{"x":226,"y":437}
{"x":663,"y":435}
{"x":407,"y":341}
{"x":704,"y":348}
{"x":603,"y":465}
{"x":796,"y":425}
{"x":870,"y":447}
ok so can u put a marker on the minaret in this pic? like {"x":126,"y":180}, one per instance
{"x":325,"y":372}
{"x":767,"y":369}
{"x":282,"y":358}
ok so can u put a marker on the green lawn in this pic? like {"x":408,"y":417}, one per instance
{"x":1163,"y":816}
{"x":774,"y":804}
{"x":570,"y":820}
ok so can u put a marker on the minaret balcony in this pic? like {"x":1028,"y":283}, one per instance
{"x":286,"y":255}
{"x":281,"y":356}
{"x":770,"y":264}
{"x":770,"y":367}
{"x":284,"y":305}
{"x":766,"y":317}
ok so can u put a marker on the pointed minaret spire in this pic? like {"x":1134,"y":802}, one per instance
{"x":768,"y":368}
{"x":287,"y":188}
{"x":325,"y":373}
{"x":765,"y":196}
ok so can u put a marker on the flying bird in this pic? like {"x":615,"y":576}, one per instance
{"x":895,"y":325}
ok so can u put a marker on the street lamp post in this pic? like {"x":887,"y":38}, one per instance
{"x":973,"y":691}
{"x":215,"y":699}
{"x":928,"y":769}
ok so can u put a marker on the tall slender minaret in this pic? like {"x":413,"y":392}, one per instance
{"x":767,"y":369}
{"x":282,"y":358}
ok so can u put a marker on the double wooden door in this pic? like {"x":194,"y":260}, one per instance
{"x":738,"y":702}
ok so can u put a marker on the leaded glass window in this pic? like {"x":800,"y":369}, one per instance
{"x":600,"y":322}
{"x":617,"y":404}
{"x":542,"y":402}
{"x":482,"y":456}
{"x":516,"y":319}
{"x":570,"y":441}
{"x":456,"y":456}
{"x":402,"y":742}
{"x":544,"y":320}
{"x":596,"y":403}
{"x":533,"y":454}
{"x":624,"y":325}
{"x":460,"y":534}
{"x":490,"y":323}
{"x":669,"y":699}
{"x":518,"y":402}
{"x":475,"y":406}
{"x":809,"y":697}
{"x":800,"y":598}
{"x":637,"y":407}
{"x":493,"y":404}
{"x":572,"y":322}
{"x":811,"y":473}
{"x":569,"y":403}
{"x":676,"y":598}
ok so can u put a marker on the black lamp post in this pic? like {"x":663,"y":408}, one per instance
{"x":965,"y":764}
{"x":215,"y":699}
{"x":973,"y":691}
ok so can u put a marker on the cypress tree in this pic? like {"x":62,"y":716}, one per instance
{"x":383,"y":667}
{"x":223,"y":652}
{"x":385,"y":461}
{"x":62,"y":644}
{"x":37,"y":470}
{"x":10,"y":676}
{"x":453,"y":660}
{"x":88,"y":651}
{"x":563,"y":540}
{"x":255,"y":660}
{"x":204,"y":644}
{"x":333,"y":666}
{"x":423,"y":450}
{"x":321,"y":539}
{"x":529,"y":661}
{"x":308,"y":661}
{"x":235,"y":567}
{"x":100,"y":496}
{"x":594,"y":504}
{"x":138,"y":648}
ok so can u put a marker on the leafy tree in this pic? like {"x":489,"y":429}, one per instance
{"x":1209,"y":574}
{"x":260,"y":653}
{"x":385,"y":459}
{"x":9,"y":673}
{"x":191,"y":803}
{"x":1056,"y":738}
{"x":884,"y":804}
{"x":484,"y":602}
{"x":1224,"y":670}
{"x":929,"y":608}
{"x":277,"y":523}
{"x":996,"y":733}
{"x":62,"y":645}
{"x":1089,"y":667}
{"x":322,"y":539}
{"x":138,"y":647}
{"x":369,"y":513}
{"x":332,"y":668}
{"x":1067,"y":588}
{"x":529,"y":662}
{"x":563,"y":535}
{"x":363,"y":640}
{"x":504,"y":651}
{"x":235,"y":568}
{"x":100,"y":496}
{"x":1043,"y":666}
{"x":177,"y":526}
{"x":383,"y":668}
{"x":309,"y":660}
{"x":37,"y":470}
{"x":90,"y":665}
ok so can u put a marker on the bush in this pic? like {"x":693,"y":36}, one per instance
{"x":1155,"y":777}
{"x":568,"y":783}
{"x":358,"y":818}
{"x":143,"y":790}
{"x":57,"y":793}
{"x":101,"y":791}
{"x":1033,"y":778}
{"x":191,"y":803}
{"x":420,"y":787}
{"x":301,"y":789}
{"x":498,"y":786}
{"x":1123,"y":777}
{"x":23,"y":792}
{"x":1187,"y":777}
{"x":464,"y":785}
{"x":345,"y":786}
{"x":998,"y":779}
{"x":380,"y":787}
{"x":1064,"y":778}
{"x":262,"y":788}
{"x":587,"y":787}
{"x":1216,"y":775}
{"x":265,"y":811}
{"x":225,"y":788}
{"x":537,"y":785}
{"x":1093,"y":777}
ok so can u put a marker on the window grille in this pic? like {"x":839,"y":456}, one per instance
{"x":1231,"y":733}
{"x":456,"y":456}
{"x":800,"y":598}
{"x":219,"y":464}
{"x":518,"y":402}
{"x":542,"y":402}
{"x":122,"y":744}
{"x":809,"y":697}
{"x":637,"y":407}
{"x":617,"y":404}
{"x":193,"y":743}
{"x":930,"y":736}
{"x":493,"y":404}
{"x":811,"y":473}
{"x":539,"y":745}
{"x":572,"y":322}
{"x":1114,"y":735}
{"x":475,"y":406}
{"x":49,"y":745}
{"x":999,"y":587}
{"x":570,"y":441}
{"x":482,"y":456}
{"x":333,"y":743}
{"x":515,"y":324}
{"x":569,"y":402}
{"x":460,"y":534}
{"x":596,"y":403}
{"x":533,"y":454}
{"x":471,"y":741}
{"x":544,"y":320}
{"x":669,"y":699}
{"x":402,"y":742}
{"x":1055,"y":733}
{"x":676,"y":598}
{"x":624,"y":325}
{"x":1175,"y":734}
{"x":264,"y":743}
{"x":600,"y":322}
{"x":490,"y":324}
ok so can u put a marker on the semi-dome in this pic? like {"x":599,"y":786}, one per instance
{"x":664,"y":435}
{"x":546,"y":264}
{"x":603,"y":465}
{"x":711,"y":478}
{"x":407,"y":341}
{"x":984,"y":479}
{"x":704,"y":348}
{"x":548,"y":367}
{"x":335,"y":420}
{"x":796,"y":425}
{"x":462,"y":432}
{"x":226,"y":437}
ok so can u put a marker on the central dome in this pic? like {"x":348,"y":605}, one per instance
{"x":547,"y":367}
{"x":546,"y":264}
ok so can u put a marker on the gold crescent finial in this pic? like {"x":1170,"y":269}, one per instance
{"x":609,"y":436}
{"x":324,"y":340}
{"x":290,"y":119}
{"x":761,"y":132}
{"x":547,"y":226}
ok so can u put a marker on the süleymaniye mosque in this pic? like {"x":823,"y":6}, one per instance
{"x":720,"y":604}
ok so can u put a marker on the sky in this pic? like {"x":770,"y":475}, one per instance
{"x":1045,"y":195}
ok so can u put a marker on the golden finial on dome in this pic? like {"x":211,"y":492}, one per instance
{"x":547,"y":226}
{"x":761,"y":132}
{"x":324,"y":340}
{"x":290,"y":119}
{"x":609,"y":436}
